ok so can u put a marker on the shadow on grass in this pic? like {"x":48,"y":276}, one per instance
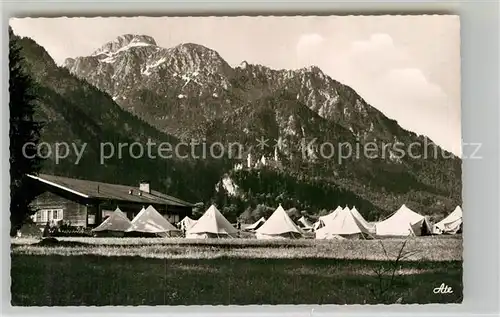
{"x":100,"y":281}
{"x":53,"y":242}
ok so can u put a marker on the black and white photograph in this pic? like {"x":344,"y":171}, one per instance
{"x":243,"y":160}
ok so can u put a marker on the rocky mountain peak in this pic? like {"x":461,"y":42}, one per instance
{"x":311,"y":69}
{"x":243,"y":65}
{"x":69,"y":63}
{"x":192,"y":47}
{"x":124,"y":41}
{"x":196,"y":57}
{"x":196,"y":51}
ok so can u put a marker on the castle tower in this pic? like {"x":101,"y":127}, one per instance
{"x":263,"y":160}
{"x":249,"y":160}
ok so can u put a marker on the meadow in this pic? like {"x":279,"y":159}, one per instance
{"x":176,"y":271}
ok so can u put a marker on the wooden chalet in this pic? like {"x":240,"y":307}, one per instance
{"x":86,"y":203}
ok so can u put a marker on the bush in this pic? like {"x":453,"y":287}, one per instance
{"x":66,"y":230}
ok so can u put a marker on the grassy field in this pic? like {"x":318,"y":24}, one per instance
{"x":135,"y":271}
{"x":446,"y":248}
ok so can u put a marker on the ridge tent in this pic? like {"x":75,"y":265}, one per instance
{"x":365,"y":225}
{"x":256,"y":225}
{"x":344,"y":225}
{"x":278,"y":226}
{"x":186,"y":223}
{"x":116,"y":224}
{"x":211,"y":225}
{"x":316,"y":225}
{"x":404,"y":222}
{"x":305,"y":223}
{"x":451,"y":224}
{"x":150,"y":222}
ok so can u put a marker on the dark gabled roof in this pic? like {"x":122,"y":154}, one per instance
{"x":92,"y":189}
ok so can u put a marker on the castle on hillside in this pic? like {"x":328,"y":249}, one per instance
{"x":263,"y":161}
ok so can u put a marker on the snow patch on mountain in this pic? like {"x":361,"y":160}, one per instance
{"x":125,"y":48}
{"x":125,"y":42}
{"x":149,"y":67}
{"x":109,"y":60}
{"x":187,"y":79}
{"x":157,"y":63}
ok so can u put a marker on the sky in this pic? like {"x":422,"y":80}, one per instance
{"x":408,"y":67}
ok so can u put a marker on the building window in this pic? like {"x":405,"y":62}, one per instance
{"x":171,"y":218}
{"x":45,"y":215}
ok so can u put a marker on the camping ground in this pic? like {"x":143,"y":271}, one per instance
{"x":155,"y":271}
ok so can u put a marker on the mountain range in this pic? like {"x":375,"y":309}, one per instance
{"x":131,"y":89}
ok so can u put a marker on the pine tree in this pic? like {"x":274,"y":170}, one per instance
{"x":23,"y":130}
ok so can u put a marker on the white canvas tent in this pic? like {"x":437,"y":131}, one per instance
{"x":186,"y":223}
{"x":404,"y":222}
{"x":451,"y":224}
{"x":150,"y":221}
{"x":365,"y":225}
{"x":305,"y":223}
{"x":343,"y":224}
{"x":117,"y":222}
{"x":324,"y":220}
{"x":211,"y":225}
{"x":256,"y":224}
{"x":278,"y":226}
{"x":316,"y":225}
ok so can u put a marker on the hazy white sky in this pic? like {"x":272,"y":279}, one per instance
{"x":408,"y":67}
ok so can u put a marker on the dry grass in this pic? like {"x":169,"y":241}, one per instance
{"x":97,"y":280}
{"x":420,"y":248}
{"x":175,"y":271}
